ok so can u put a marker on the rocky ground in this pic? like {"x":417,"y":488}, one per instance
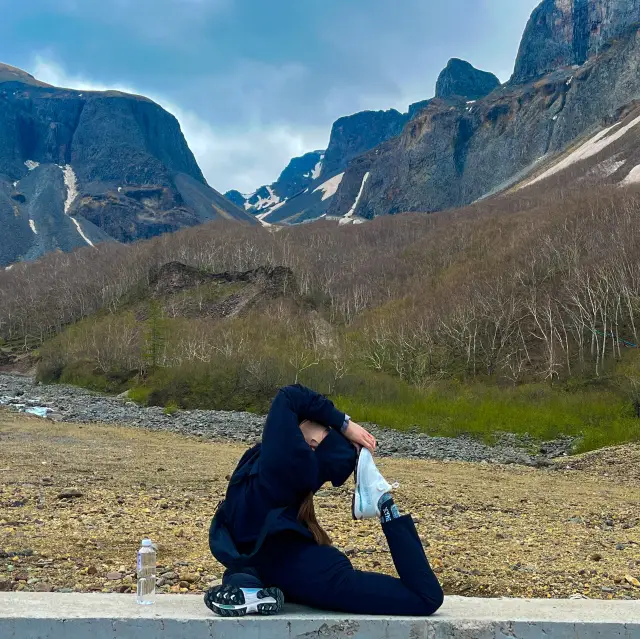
{"x":71,"y":404}
{"x":75,"y":500}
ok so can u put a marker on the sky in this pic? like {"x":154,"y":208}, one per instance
{"x":257,"y":82}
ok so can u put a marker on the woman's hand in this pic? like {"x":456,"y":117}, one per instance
{"x":360,"y":436}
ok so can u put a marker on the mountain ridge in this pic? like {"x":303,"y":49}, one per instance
{"x":352,"y":138}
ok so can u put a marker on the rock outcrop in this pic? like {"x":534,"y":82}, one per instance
{"x":218,"y":295}
{"x":461,"y":79}
{"x":568,"y":32}
{"x":81,"y":167}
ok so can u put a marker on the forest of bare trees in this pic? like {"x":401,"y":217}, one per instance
{"x":513,"y":289}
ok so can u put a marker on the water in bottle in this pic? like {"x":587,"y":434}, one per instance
{"x":146,"y":573}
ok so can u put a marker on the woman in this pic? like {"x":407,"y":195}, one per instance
{"x":265,"y":531}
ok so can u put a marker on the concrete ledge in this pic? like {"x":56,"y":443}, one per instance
{"x":97,"y":616}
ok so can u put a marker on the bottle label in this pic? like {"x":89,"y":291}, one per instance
{"x":139,"y":562}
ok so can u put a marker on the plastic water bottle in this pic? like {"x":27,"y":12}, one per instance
{"x":146,"y":593}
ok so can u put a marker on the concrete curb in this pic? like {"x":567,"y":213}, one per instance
{"x":98,"y":616}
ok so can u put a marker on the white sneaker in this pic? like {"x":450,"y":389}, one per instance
{"x":370,"y":486}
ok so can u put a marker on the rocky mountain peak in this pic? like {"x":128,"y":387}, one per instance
{"x":13,"y":74}
{"x":459,"y":78}
{"x":566,"y":32}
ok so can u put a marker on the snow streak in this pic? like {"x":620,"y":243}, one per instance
{"x":349,"y":216}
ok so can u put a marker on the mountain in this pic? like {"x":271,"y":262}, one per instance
{"x":454,"y":152}
{"x":82,"y":167}
{"x":355,"y":141}
{"x":295,"y":199}
{"x":297,"y":176}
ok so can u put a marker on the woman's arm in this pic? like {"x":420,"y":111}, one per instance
{"x":308,"y":404}
{"x":288,"y":465}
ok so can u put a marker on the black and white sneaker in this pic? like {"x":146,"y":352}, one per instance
{"x":231,"y":601}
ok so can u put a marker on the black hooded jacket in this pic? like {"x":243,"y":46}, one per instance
{"x":273,"y":478}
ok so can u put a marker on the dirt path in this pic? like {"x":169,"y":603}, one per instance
{"x":490,"y":530}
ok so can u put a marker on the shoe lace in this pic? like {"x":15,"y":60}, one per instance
{"x":383,"y":485}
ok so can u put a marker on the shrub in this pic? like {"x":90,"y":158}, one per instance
{"x":140,"y":395}
{"x":171,"y":409}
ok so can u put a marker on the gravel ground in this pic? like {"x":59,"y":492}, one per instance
{"x":76,"y":499}
{"x":76,"y":405}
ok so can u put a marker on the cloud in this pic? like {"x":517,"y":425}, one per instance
{"x":238,"y":157}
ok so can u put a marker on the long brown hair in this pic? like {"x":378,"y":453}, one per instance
{"x":307,"y":515}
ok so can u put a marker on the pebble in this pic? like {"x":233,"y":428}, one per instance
{"x":70,"y":493}
{"x":77,"y":405}
{"x":114,"y":576}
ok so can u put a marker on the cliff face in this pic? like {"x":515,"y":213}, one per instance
{"x":356,"y":134}
{"x":567,"y":32}
{"x":117,"y":164}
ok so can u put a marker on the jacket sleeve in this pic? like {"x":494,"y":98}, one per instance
{"x":288,"y":466}
{"x":308,"y":404}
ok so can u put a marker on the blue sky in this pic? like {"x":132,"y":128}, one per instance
{"x":256,"y":82}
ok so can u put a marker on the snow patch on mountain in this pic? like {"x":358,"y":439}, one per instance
{"x":32,"y":224}
{"x":607,"y":168}
{"x":330,"y":187}
{"x":633,"y":177}
{"x":32,"y":164}
{"x":71,"y":182}
{"x":348,"y":218}
{"x":264,"y":203}
{"x":317,"y":169}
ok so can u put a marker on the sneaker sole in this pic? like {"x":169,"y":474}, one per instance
{"x":229,"y":601}
{"x":355,"y":490}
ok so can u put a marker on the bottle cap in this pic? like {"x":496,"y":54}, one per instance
{"x":147,"y":542}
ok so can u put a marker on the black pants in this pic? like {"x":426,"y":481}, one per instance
{"x":323,"y":577}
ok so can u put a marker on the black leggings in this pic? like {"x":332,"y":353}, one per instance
{"x":323,"y":577}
